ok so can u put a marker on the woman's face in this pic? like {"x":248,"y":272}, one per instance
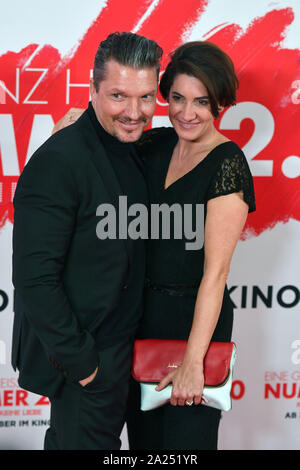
{"x":189,"y":108}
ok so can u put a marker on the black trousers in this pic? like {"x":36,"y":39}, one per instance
{"x":92,"y":417}
{"x":171,"y":427}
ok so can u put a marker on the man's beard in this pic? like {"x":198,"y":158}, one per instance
{"x":128,"y":132}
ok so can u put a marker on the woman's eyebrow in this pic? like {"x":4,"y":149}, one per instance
{"x":196,"y":98}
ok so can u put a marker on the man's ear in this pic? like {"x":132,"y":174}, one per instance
{"x":92,"y":89}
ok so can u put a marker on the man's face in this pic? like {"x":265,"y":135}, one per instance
{"x":125,"y":101}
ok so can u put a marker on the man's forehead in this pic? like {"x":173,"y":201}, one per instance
{"x":122,"y":72}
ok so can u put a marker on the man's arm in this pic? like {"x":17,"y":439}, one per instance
{"x":45,"y":205}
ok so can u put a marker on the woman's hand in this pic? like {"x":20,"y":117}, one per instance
{"x":188,"y":383}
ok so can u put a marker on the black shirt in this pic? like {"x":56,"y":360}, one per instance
{"x":123,"y":321}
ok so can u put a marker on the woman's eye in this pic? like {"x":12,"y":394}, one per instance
{"x":203,"y":102}
{"x":176,"y":98}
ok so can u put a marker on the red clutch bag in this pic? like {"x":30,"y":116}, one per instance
{"x":153,"y":359}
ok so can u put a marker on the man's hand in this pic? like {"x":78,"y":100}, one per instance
{"x":89,"y":379}
{"x":72,"y":115}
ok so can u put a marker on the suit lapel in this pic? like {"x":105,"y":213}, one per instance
{"x":100,"y":159}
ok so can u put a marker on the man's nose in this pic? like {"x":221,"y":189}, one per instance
{"x":133,"y":110}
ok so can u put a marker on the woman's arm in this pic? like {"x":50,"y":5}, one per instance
{"x":69,"y":118}
{"x":225,"y":219}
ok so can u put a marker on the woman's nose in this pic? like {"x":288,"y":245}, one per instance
{"x":188,"y":112}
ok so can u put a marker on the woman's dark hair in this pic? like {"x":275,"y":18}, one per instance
{"x":128,"y":49}
{"x":207,"y":62}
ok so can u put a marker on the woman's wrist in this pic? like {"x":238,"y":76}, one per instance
{"x":193,"y":359}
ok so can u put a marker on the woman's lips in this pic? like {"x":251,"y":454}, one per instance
{"x":188,"y":125}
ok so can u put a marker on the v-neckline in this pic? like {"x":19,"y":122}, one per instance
{"x":190,"y":171}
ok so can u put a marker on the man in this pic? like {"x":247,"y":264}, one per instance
{"x":78,"y":297}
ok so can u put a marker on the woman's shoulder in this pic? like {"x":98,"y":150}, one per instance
{"x":228,"y":148}
{"x":156,"y":139}
{"x":158,"y":132}
{"x":228,"y":152}
{"x":231,"y":173}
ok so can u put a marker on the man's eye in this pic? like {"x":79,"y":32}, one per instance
{"x":116,"y":95}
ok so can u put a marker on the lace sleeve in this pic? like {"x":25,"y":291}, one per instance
{"x":233,"y":175}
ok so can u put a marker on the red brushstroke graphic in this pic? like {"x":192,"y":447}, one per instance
{"x":40,"y":82}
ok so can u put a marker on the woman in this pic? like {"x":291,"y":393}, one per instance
{"x":186,"y":294}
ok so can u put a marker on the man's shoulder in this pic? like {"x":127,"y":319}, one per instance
{"x":69,"y":137}
{"x":68,"y":145}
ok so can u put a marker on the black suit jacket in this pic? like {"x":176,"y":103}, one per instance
{"x":66,"y":280}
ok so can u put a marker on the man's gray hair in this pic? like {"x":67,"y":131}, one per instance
{"x":127,"y":49}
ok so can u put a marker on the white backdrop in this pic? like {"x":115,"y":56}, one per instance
{"x":264,"y":278}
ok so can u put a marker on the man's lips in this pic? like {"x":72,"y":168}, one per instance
{"x":131,"y":125}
